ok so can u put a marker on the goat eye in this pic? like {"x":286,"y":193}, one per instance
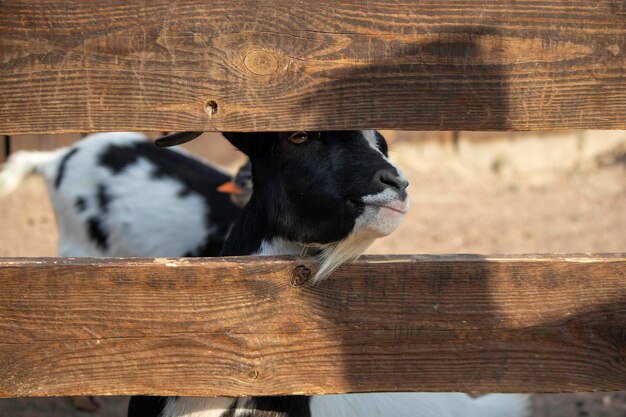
{"x":298,"y":137}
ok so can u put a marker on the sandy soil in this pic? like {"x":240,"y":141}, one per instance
{"x":453,"y":211}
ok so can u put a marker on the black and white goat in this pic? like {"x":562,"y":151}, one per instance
{"x":116,"y":194}
{"x":330,"y":194}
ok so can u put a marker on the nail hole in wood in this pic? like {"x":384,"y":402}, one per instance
{"x":211,"y":108}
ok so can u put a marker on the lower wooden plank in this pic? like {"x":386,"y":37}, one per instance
{"x":236,"y":326}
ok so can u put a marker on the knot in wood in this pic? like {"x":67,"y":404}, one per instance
{"x":261,"y":62}
{"x":300,"y":275}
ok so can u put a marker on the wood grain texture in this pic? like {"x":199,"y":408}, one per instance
{"x":97,"y":65}
{"x":51,"y":142}
{"x":236,"y":326}
{"x":42,"y":142}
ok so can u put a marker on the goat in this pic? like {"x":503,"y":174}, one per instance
{"x":329,"y":194}
{"x":116,"y":194}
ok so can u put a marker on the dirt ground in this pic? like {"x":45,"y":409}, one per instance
{"x":454,"y":209}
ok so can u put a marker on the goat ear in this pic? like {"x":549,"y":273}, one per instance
{"x":177,"y":138}
{"x":250,"y":143}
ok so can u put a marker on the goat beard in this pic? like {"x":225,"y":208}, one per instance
{"x":371,"y":225}
{"x":333,"y":255}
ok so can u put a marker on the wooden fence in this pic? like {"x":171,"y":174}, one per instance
{"x":246,"y":326}
{"x":235,"y":326}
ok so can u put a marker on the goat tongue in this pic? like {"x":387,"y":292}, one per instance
{"x":177,"y":138}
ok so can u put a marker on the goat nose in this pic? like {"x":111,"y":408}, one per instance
{"x":391,"y":178}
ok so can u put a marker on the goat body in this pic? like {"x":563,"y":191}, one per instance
{"x":116,"y":194}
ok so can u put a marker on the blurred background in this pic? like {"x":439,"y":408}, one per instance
{"x":471,"y":192}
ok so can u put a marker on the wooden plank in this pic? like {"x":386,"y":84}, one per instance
{"x":232,"y":65}
{"x":42,"y":142}
{"x":51,"y":142}
{"x":236,"y":326}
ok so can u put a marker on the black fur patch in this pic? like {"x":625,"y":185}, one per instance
{"x":194,"y":177}
{"x":248,"y":231}
{"x":284,"y":406}
{"x":144,"y":406}
{"x":81,"y":204}
{"x":117,"y":158}
{"x":279,"y":406}
{"x":104,"y":198}
{"x":62,"y":166}
{"x":96,"y":233}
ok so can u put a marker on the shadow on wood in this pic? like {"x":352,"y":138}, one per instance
{"x":244,"y":65}
{"x":402,"y":88}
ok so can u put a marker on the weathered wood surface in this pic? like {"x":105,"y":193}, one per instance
{"x":42,"y":142}
{"x":238,"y":326}
{"x":97,"y":65}
{"x":51,"y":142}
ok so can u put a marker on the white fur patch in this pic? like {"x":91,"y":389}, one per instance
{"x":419,"y":405}
{"x":153,"y":220}
{"x":146,"y":216}
{"x":383,"y":213}
{"x":23,"y":163}
{"x":279,"y":246}
{"x":399,"y":404}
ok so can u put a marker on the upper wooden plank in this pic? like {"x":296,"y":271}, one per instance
{"x":237,"y":326}
{"x":98,"y":65}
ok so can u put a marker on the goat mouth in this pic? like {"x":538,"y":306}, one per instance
{"x":399,"y":207}
{"x":388,"y":207}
